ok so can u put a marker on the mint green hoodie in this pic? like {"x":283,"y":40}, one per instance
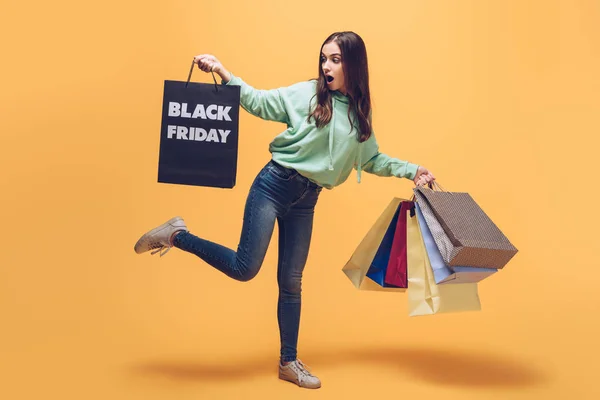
{"x":326,"y":155}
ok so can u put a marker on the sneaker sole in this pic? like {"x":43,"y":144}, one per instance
{"x":137,"y":246}
{"x":292,"y":380}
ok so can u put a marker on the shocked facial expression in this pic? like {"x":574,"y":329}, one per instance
{"x":331,"y":63}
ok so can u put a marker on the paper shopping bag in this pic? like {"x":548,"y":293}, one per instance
{"x":396,"y":273}
{"x":425,"y":297}
{"x":361,"y":261}
{"x":441,"y":272}
{"x":199,"y":134}
{"x":378,"y":270}
{"x":468,"y":236}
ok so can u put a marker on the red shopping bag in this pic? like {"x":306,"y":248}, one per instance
{"x":396,"y":273}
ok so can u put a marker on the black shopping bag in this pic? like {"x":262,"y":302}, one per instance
{"x":199,"y":134}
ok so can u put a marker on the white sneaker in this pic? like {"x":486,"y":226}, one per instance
{"x":159,"y":238}
{"x":298,"y":373}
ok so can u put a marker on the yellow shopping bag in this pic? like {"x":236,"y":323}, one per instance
{"x":425,"y":297}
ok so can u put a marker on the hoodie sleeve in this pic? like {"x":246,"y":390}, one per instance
{"x":380,"y":164}
{"x":265,"y":104}
{"x":384,"y":165}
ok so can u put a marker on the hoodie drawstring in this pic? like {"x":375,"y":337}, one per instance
{"x":359,"y":166}
{"x":331,"y":128}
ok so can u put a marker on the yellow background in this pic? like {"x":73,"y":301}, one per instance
{"x":497,"y":98}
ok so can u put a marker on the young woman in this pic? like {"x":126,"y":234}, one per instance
{"x":329,"y":134}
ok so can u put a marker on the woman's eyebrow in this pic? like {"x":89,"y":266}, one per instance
{"x":334,"y":54}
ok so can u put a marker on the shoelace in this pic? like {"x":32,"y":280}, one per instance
{"x":159,"y":248}
{"x":302,"y":369}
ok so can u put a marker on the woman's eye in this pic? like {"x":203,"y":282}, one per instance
{"x":336,"y":60}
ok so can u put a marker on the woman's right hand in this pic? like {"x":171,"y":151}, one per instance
{"x":208,"y":63}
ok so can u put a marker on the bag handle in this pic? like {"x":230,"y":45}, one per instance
{"x":432,"y":186}
{"x":435,"y":185}
{"x":190,"y":76}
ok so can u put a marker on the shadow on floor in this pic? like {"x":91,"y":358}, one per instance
{"x":437,"y":366}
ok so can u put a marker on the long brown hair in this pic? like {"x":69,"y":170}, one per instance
{"x":356,"y":74}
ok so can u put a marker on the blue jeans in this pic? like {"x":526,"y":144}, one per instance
{"x":276,"y":193}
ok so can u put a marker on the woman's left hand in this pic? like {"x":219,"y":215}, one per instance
{"x":423,"y":177}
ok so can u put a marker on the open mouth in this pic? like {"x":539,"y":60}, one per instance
{"x":329,"y":78}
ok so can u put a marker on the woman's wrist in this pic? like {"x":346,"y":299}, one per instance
{"x":224,"y":74}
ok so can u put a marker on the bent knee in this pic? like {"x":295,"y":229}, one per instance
{"x":247,"y":274}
